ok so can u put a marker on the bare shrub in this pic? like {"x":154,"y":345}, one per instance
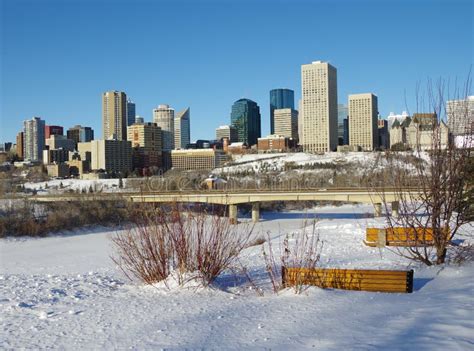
{"x":442,"y":195}
{"x":181,"y":242}
{"x":143,"y":251}
{"x":463,"y":254}
{"x":302,"y":250}
{"x":21,"y":218}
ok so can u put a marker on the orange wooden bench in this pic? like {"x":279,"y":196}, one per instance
{"x":350,"y":279}
{"x":400,"y":236}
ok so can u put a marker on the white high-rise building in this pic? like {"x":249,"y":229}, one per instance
{"x":460,"y":115}
{"x":286,"y":122}
{"x":163,"y":116}
{"x":34,"y":139}
{"x":363,"y":121}
{"x":319,"y":107}
{"x":182,"y":129}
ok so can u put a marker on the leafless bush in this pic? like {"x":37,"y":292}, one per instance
{"x":443,"y":193}
{"x":180,"y":241}
{"x":463,"y":254}
{"x":21,"y":218}
{"x":143,"y":251}
{"x":301,"y":250}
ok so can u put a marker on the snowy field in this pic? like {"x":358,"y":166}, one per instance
{"x":64,"y":292}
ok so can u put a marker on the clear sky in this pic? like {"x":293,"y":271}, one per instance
{"x":58,"y":56}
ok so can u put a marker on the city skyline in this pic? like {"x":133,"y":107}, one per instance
{"x":202,"y":79}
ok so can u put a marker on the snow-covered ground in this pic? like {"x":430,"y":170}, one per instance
{"x":261,"y":163}
{"x":64,"y":292}
{"x":55,"y":186}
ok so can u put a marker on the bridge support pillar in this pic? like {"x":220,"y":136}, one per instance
{"x":395,"y":207}
{"x":255,"y":212}
{"x":377,"y":210}
{"x":233,"y":214}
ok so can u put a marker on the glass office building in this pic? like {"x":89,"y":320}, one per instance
{"x":280,"y":98}
{"x":342,"y":114}
{"x":245,"y":117}
{"x":130,"y":113}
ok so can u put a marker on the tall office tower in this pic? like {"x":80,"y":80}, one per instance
{"x":20,"y":145}
{"x":279,"y":99}
{"x":139,"y":119}
{"x":182,"y":129}
{"x":228,"y":132}
{"x":34,"y":139}
{"x":130,"y":112}
{"x":5,"y":147}
{"x":363,"y":121}
{"x":163,"y":116}
{"x":80,"y":134}
{"x":286,"y":123}
{"x":52,"y":130}
{"x":146,"y":144}
{"x":345,"y":138}
{"x":300,"y":123}
{"x":245,"y":117}
{"x":114,"y":115}
{"x":319,"y":106}
{"x":460,"y":115}
{"x":384,"y":136}
{"x":342,"y":113}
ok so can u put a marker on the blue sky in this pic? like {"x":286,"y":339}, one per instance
{"x":57,"y":57}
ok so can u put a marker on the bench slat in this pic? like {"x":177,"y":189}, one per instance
{"x":350,"y":279}
{"x":400,"y":236}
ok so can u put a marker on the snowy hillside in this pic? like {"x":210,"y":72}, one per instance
{"x":64,"y":292}
{"x":260,"y":163}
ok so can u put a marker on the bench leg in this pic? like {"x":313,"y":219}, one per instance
{"x":395,"y":207}
{"x":378,"y":210}
{"x":381,"y":238}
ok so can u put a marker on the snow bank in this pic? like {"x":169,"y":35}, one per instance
{"x":64,"y":292}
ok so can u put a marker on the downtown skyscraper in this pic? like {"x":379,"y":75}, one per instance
{"x":130,"y":112}
{"x":114,"y":115}
{"x":319,"y":107}
{"x":182,"y":129}
{"x":245,"y":117}
{"x":33,"y":143}
{"x":163,"y":116}
{"x":460,"y":114}
{"x":280,"y":99}
{"x":363,"y":121}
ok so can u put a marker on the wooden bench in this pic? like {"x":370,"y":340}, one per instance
{"x":400,"y":236}
{"x":350,"y":279}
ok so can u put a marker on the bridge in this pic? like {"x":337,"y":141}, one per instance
{"x":233,"y":198}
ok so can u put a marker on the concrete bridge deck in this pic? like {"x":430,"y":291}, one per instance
{"x":254,"y":197}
